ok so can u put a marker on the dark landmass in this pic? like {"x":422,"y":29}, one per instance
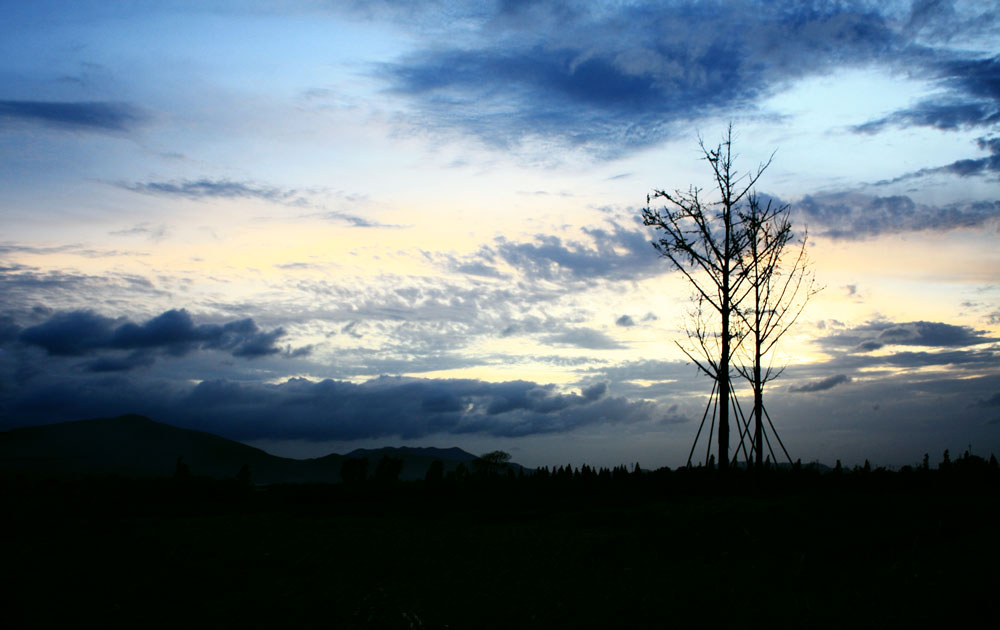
{"x":135,"y":446}
{"x":563,"y":550}
{"x":494,"y":547}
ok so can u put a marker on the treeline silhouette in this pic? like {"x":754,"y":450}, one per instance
{"x":487,"y":489}
{"x":560,"y":546}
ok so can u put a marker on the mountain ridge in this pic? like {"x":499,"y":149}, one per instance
{"x":134,"y":445}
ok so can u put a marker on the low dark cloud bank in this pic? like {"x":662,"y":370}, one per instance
{"x":330,"y":409}
{"x":83,"y":333}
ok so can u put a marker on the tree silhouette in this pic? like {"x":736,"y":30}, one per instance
{"x":704,"y":240}
{"x":354,"y":470}
{"x":435,"y":472}
{"x":243,"y":476}
{"x":387,"y":469}
{"x":493,"y":462}
{"x":181,"y":470}
{"x":779,"y":289}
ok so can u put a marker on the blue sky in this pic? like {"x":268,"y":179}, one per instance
{"x":331,"y":225}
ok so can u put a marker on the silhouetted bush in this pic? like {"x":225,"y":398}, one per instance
{"x":388,"y":469}
{"x":435,"y":472}
{"x":354,"y":470}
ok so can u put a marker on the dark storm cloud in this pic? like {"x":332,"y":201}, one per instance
{"x":992,"y":401}
{"x":79,"y":333}
{"x":854,"y":215}
{"x":73,"y":116}
{"x":611,"y":77}
{"x":9,"y":330}
{"x":70,"y":334}
{"x":329,"y":409}
{"x":875,"y":335}
{"x":138,"y":359}
{"x":523,"y":395}
{"x":822,"y":385}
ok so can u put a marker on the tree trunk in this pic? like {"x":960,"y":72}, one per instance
{"x":758,"y":411}
{"x":723,"y":377}
{"x":723,"y":374}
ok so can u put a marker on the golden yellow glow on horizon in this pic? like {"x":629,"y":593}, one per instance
{"x":543,"y":374}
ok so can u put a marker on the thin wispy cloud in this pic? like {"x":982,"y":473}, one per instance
{"x":201,"y":189}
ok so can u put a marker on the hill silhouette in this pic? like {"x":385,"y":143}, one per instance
{"x":137,"y":446}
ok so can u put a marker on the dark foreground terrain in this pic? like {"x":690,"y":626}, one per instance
{"x":640,"y":550}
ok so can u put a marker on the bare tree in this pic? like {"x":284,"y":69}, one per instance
{"x":780,"y":285}
{"x":706,"y":242}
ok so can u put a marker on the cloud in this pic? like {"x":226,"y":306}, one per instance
{"x":616,"y":253}
{"x":155,"y":233}
{"x":9,"y":330}
{"x":333,"y":410}
{"x":74,"y":116}
{"x":823,"y":384}
{"x":852,"y":215}
{"x":625,"y":321}
{"x":612,"y":77}
{"x":971,"y":99}
{"x":523,"y":395}
{"x":961,"y":168}
{"x":80,"y":333}
{"x":582,"y":338}
{"x":992,"y":401}
{"x":138,"y":359}
{"x":74,"y":249}
{"x":221,"y":188}
{"x":875,"y":335}
{"x":198,"y":189}
{"x":478,"y":269}
{"x":70,"y":334}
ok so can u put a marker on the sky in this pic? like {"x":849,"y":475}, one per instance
{"x":318,"y":226}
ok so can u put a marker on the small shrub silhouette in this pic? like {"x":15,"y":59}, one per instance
{"x":388,"y":469}
{"x":435,"y":472}
{"x":354,"y":470}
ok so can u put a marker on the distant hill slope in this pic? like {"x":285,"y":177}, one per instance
{"x":137,"y":446}
{"x":416,"y":460}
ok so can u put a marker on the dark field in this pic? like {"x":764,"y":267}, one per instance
{"x":789,"y":549}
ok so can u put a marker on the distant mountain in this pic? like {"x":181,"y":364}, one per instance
{"x":139,"y":447}
{"x":416,"y":460}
